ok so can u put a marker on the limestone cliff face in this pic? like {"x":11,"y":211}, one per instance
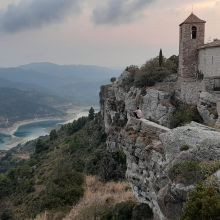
{"x":152,"y":149}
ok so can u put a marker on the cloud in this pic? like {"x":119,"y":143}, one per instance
{"x":119,"y":11}
{"x":28,"y":14}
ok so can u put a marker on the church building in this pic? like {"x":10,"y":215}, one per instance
{"x":198,"y":61}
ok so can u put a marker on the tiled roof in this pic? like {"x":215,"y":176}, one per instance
{"x":192,"y":19}
{"x":215,"y":43}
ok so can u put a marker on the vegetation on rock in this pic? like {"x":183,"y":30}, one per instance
{"x":53,"y":178}
{"x":184,"y":148}
{"x":153,"y":71}
{"x":202,"y":203}
{"x":185,"y":114}
{"x":113,"y":79}
{"x":193,"y":172}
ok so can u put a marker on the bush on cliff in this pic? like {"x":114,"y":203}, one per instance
{"x":193,"y":172}
{"x":187,"y":172}
{"x":185,"y":114}
{"x":150,"y":75}
{"x":128,"y":210}
{"x":203,"y":203}
{"x":151,"y":72}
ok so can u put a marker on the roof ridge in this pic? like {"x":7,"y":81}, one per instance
{"x":214,"y":43}
{"x":193,"y":19}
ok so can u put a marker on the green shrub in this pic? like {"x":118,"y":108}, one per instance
{"x":7,"y":215}
{"x":41,"y":146}
{"x":184,"y":148}
{"x":155,"y":70}
{"x":75,"y":144}
{"x":64,"y":188}
{"x":152,"y":72}
{"x":185,"y":114}
{"x":128,"y":81}
{"x":121,"y":211}
{"x":53,"y":135}
{"x":75,"y":126}
{"x":190,"y":172}
{"x":113,"y":79}
{"x":209,"y":167}
{"x":118,"y":121}
{"x":149,"y":77}
{"x":142,"y":212}
{"x":108,"y":166}
{"x":203,"y":203}
{"x":4,"y":185}
{"x":132,"y":69}
{"x":128,"y":211}
{"x":172,"y":63}
{"x":187,"y":172}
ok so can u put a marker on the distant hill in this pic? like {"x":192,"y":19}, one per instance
{"x":77,"y":83}
{"x":80,"y":73}
{"x":17,"y":105}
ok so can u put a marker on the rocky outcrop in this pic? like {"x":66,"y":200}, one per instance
{"x":154,"y":152}
{"x":155,"y":103}
{"x":207,"y":107}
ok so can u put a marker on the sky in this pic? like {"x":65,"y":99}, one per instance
{"x":112,"y":33}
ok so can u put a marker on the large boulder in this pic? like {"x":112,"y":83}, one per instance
{"x":207,"y":107}
{"x":164,"y":165}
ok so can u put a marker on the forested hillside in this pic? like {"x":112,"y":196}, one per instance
{"x":17,"y":105}
{"x":54,"y":176}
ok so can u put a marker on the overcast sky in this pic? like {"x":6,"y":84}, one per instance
{"x":112,"y":33}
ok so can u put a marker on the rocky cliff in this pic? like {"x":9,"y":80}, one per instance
{"x":163,"y":165}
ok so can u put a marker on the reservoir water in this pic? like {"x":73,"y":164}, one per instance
{"x":35,"y":129}
{"x":28,"y":132}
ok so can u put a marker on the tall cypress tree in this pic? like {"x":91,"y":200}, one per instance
{"x":161,"y":58}
{"x":91,"y":113}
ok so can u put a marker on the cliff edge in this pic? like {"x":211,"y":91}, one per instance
{"x":163,"y":165}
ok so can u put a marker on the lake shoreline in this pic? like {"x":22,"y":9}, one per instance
{"x":11,"y":130}
{"x":71,"y":115}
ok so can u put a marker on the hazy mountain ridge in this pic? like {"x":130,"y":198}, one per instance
{"x":61,"y":80}
{"x":17,"y":105}
{"x":38,"y":88}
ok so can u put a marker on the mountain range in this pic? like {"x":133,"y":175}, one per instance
{"x":41,"y":88}
{"x":76,"y":83}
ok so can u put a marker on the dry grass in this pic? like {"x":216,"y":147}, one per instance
{"x":50,"y":216}
{"x":98,"y":197}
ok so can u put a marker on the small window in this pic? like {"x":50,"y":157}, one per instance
{"x":194,"y":32}
{"x":216,"y":84}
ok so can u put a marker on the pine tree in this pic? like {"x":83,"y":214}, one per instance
{"x":53,"y":135}
{"x":91,"y":113}
{"x":161,"y":58}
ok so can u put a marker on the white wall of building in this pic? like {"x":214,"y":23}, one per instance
{"x":209,"y":61}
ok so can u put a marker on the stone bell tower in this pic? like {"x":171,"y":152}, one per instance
{"x":192,"y":36}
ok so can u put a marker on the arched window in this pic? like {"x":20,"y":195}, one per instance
{"x":194,"y":32}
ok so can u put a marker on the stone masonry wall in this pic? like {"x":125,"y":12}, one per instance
{"x":188,"y":49}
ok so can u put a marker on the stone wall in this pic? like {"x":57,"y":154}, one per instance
{"x":209,"y":61}
{"x":188,"y":49}
{"x":190,"y":91}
